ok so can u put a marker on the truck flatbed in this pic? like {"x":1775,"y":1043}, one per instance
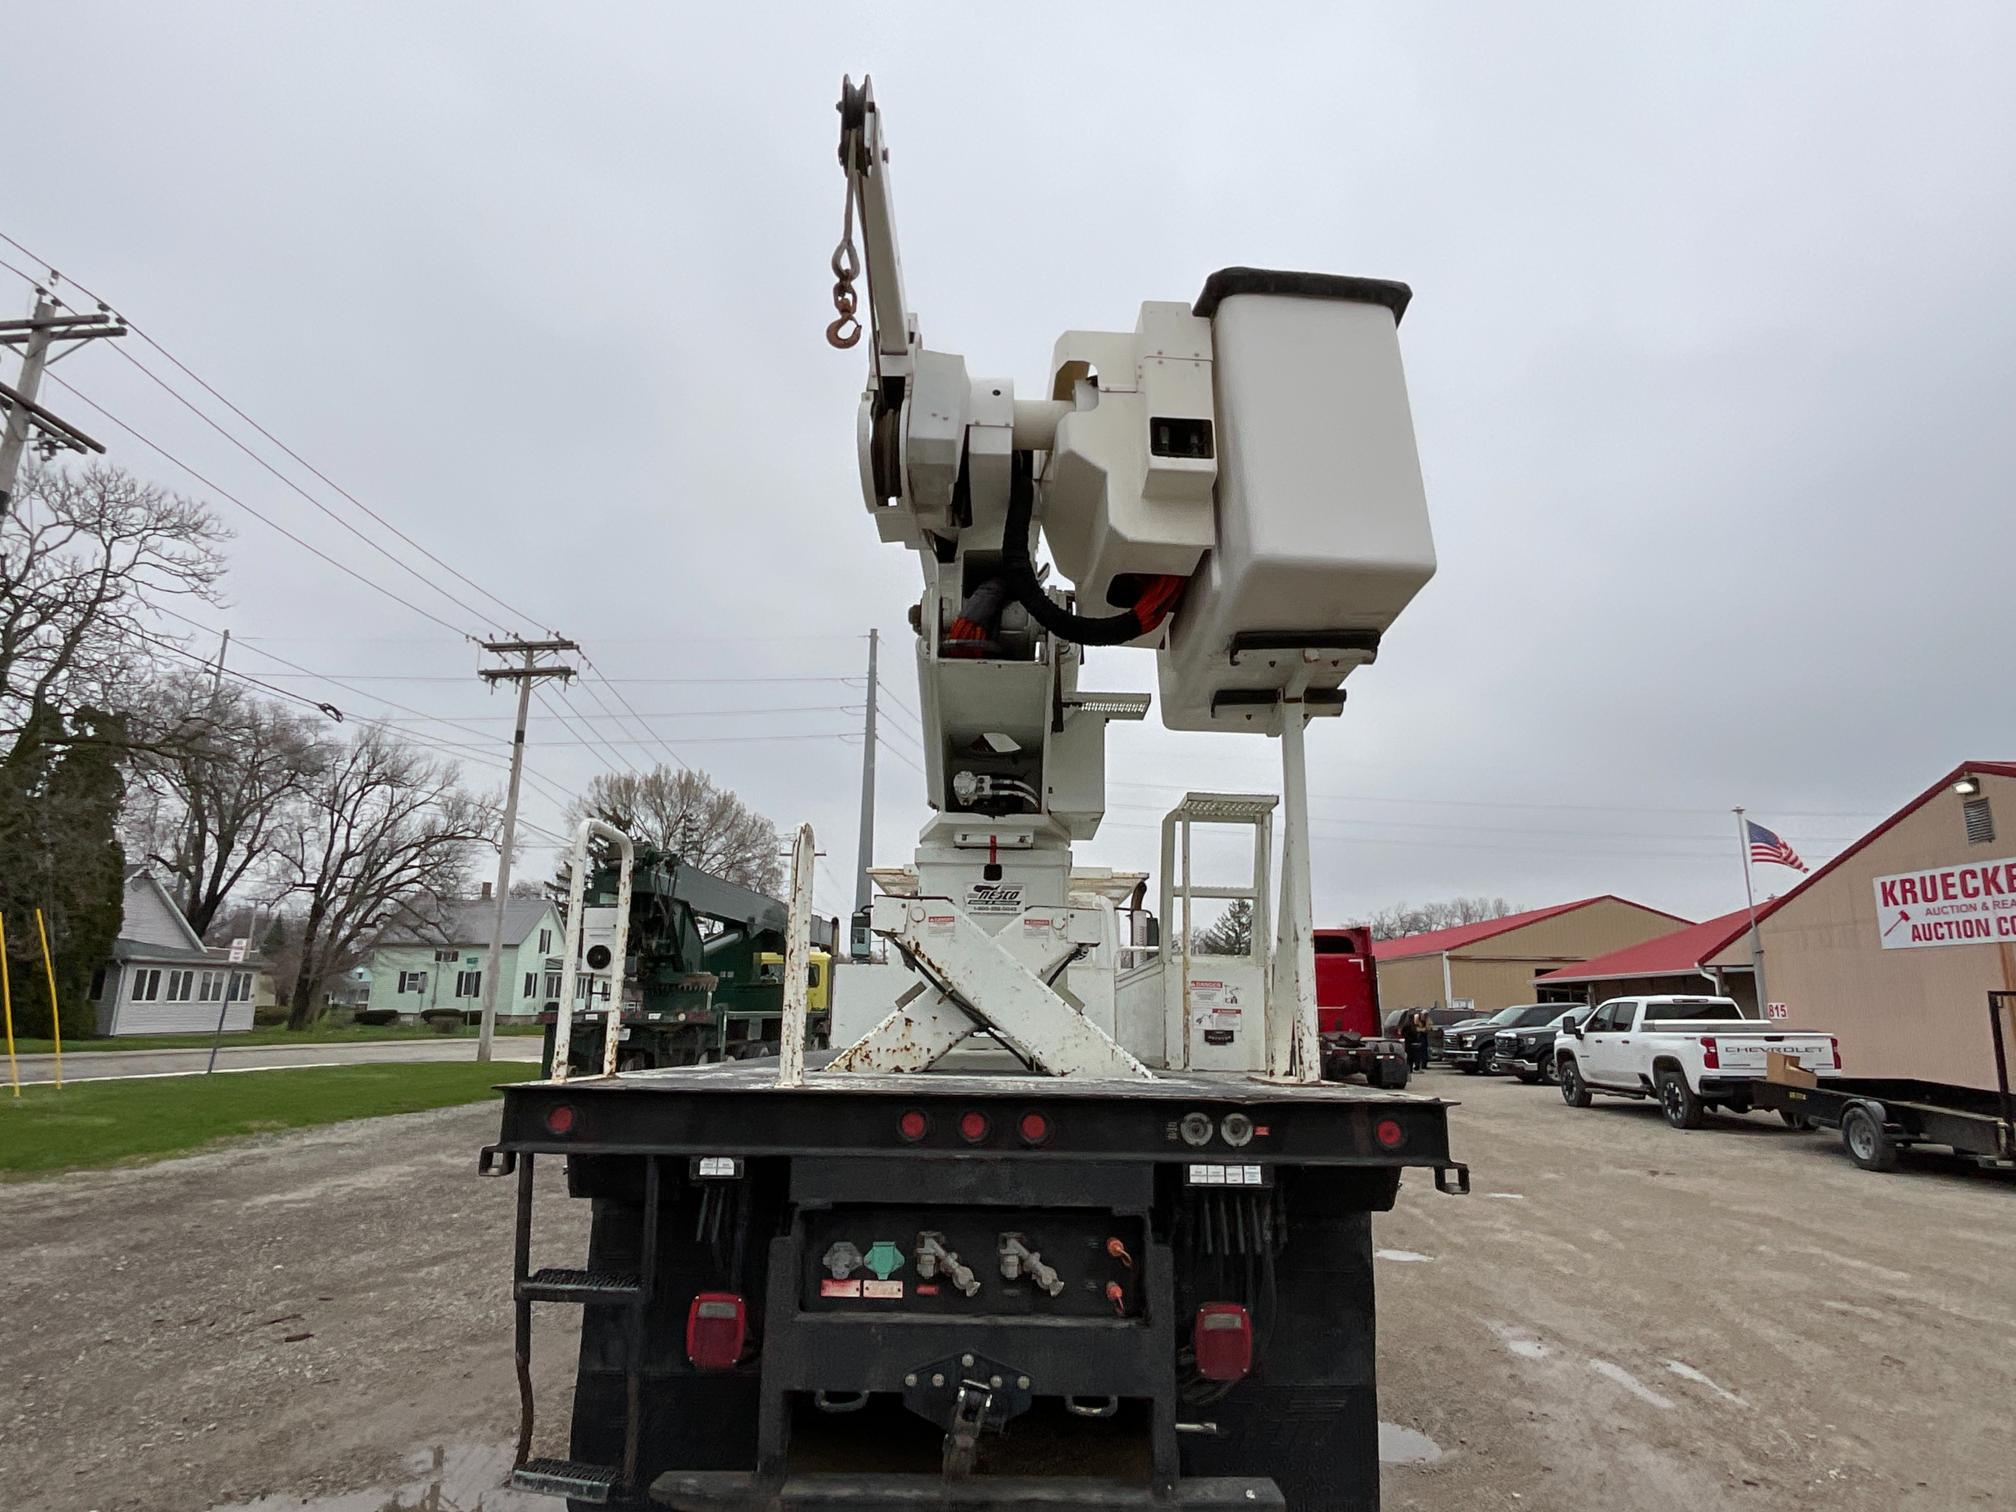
{"x":738,"y":1109}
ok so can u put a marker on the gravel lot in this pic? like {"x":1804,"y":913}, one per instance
{"x":1620,"y":1316}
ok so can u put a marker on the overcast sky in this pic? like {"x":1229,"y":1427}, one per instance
{"x":1712,"y":358}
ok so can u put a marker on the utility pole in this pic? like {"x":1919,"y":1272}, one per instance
{"x":529,"y":671}
{"x":35,"y":336}
{"x":217,"y":672}
{"x":858,"y":936}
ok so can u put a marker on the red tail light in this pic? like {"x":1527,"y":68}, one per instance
{"x":973,"y":1126}
{"x":1389,"y":1133}
{"x":717,"y":1325}
{"x":1835,"y":1045}
{"x":913,"y":1125}
{"x":1711,"y":1053}
{"x":1034,"y":1128}
{"x":1223,"y":1340}
{"x":559,"y":1119}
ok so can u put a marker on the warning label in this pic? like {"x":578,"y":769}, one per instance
{"x":882,"y":1291}
{"x":940,"y":924}
{"x":832,"y":1288}
{"x":1217,"y":1001}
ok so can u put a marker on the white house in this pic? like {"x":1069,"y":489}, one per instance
{"x":162,"y":979}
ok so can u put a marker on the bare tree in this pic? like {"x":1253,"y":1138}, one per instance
{"x":385,"y":834}
{"x":222,"y":790}
{"x":1404,"y":919}
{"x":685,"y":813}
{"x":82,"y":555}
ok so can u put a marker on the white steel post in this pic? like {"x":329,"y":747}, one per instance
{"x":797,"y":963}
{"x":612,"y":1023}
{"x":1293,"y":1053}
{"x":577,"y":882}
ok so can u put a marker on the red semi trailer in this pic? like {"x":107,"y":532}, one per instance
{"x":1347,"y":1011}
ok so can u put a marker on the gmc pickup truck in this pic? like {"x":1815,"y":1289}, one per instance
{"x":1691,"y":1053}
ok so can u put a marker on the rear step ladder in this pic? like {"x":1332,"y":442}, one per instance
{"x":595,"y":1484}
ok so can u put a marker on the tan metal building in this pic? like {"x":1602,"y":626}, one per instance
{"x":1683,"y":962}
{"x":1895,"y":944}
{"x":1491,"y":965}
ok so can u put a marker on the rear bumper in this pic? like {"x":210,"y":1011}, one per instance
{"x":733,"y":1491}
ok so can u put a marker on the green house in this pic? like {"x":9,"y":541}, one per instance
{"x":419,"y":969}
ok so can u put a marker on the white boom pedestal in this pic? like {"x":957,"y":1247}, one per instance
{"x":988,"y":981}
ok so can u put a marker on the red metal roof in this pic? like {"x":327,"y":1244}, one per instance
{"x":1679,"y":952}
{"x":1438,"y":940}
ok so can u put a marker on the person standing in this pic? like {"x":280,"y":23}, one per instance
{"x":1414,"y":1033}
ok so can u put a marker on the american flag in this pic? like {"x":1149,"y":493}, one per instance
{"x":1766,"y":846}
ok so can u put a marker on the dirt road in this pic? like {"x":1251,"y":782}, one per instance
{"x":1621,"y":1316}
{"x":89,"y":1065}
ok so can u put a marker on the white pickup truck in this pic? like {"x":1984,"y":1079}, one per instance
{"x":1691,"y":1053}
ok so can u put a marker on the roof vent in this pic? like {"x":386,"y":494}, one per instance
{"x":1980,"y":822}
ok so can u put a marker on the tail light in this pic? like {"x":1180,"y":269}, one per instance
{"x":1034,"y":1128}
{"x":1711,"y":1053}
{"x":1835,"y":1045}
{"x":560,"y":1119}
{"x":1223,"y":1340}
{"x":1389,"y":1133}
{"x":717,"y":1325}
{"x":913,"y":1125}
{"x":973,"y":1126}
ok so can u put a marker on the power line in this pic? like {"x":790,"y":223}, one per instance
{"x":614,"y":742}
{"x":397,"y":561}
{"x":617,"y":694}
{"x":627,"y":682}
{"x":209,"y":389}
{"x":267,"y":520}
{"x":539,"y":777}
{"x":614,"y":761}
{"x":898,"y":752}
{"x":686,"y":713}
{"x":1492,"y":803}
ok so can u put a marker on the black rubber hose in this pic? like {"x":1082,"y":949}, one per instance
{"x":1018,"y":572}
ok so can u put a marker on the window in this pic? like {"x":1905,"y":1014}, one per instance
{"x":146,"y":986}
{"x":1615,"y":1014}
{"x":1980,"y":822}
{"x":553,"y":984}
{"x":531,"y":984}
{"x":213,"y":985}
{"x":98,"y":984}
{"x":241,"y":986}
{"x":181,"y":986}
{"x":412,"y":981}
{"x":468,"y":984}
{"x":447,"y":955}
{"x":545,"y":941}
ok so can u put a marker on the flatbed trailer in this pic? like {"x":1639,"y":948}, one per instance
{"x":965,"y":1290}
{"x":1878,"y":1116}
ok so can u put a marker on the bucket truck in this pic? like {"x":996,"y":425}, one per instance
{"x":1073,"y":1222}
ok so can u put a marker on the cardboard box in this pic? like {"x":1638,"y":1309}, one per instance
{"x":1780,"y":1067}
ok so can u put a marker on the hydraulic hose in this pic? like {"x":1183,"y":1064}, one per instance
{"x":1018,"y":573}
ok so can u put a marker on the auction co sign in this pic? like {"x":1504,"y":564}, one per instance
{"x":1948,"y":905}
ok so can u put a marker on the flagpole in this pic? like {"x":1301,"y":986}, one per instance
{"x":1750,"y":901}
